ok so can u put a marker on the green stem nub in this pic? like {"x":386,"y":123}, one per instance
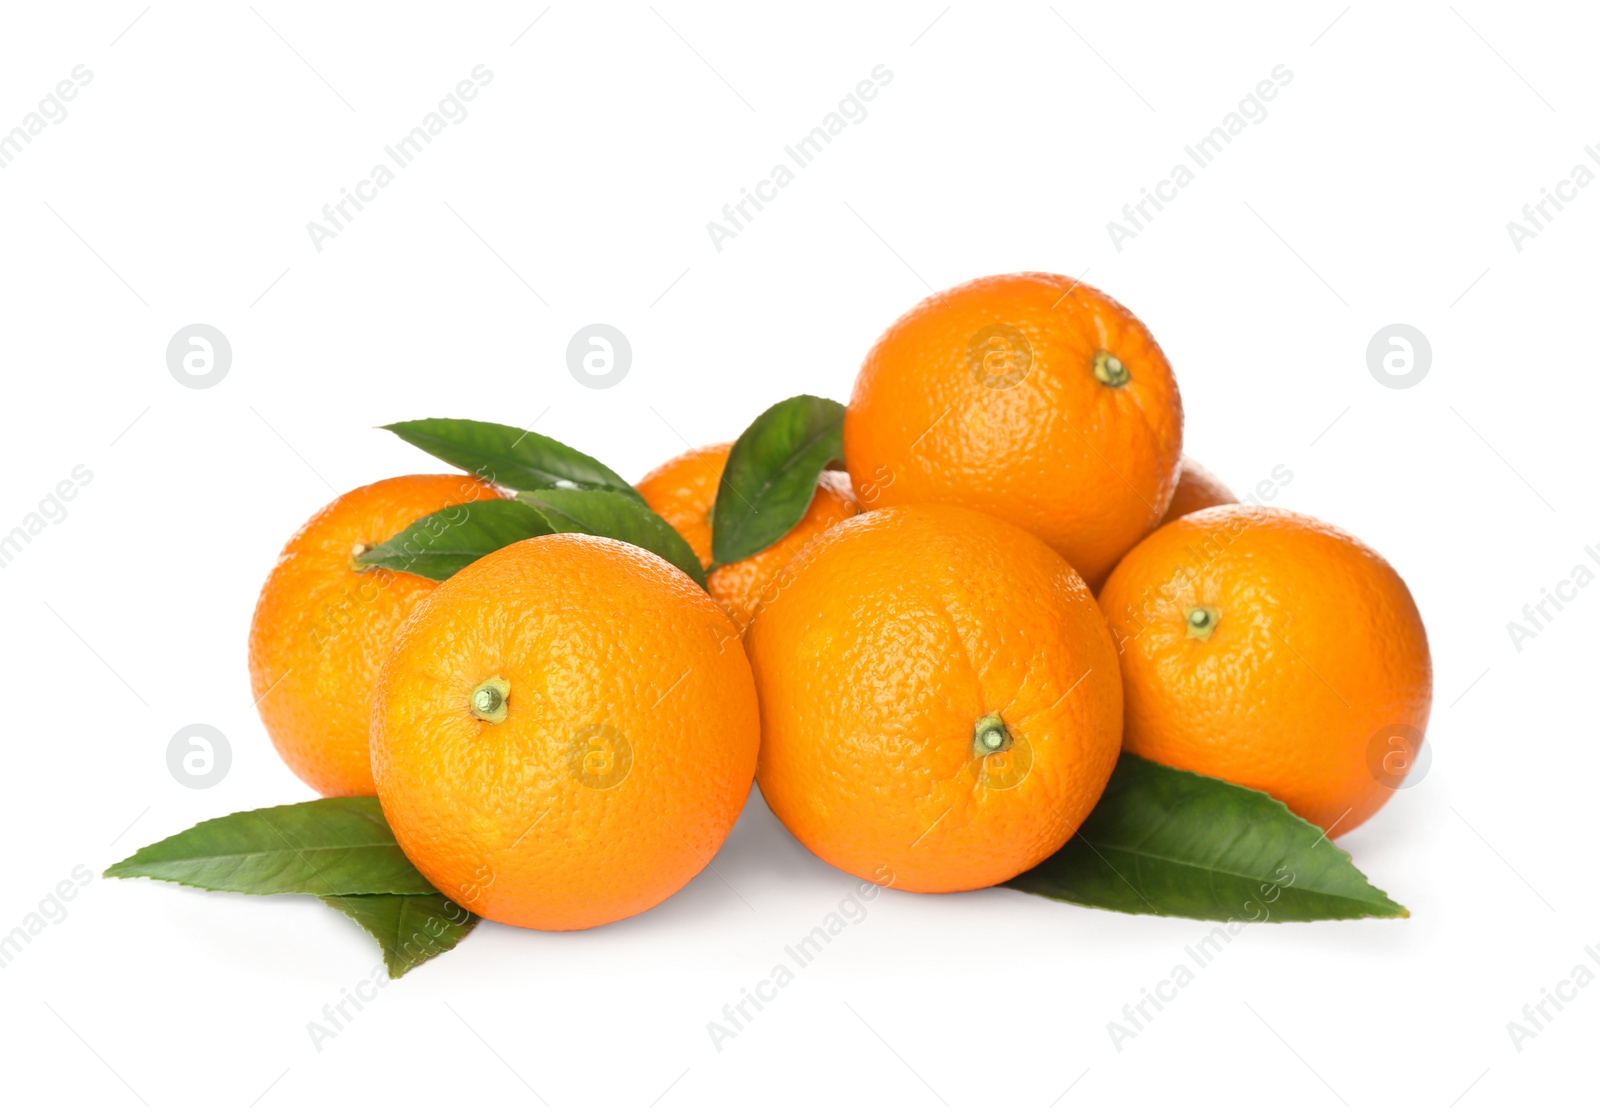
{"x":1110,"y":370}
{"x":490,"y":700}
{"x":990,"y":736}
{"x":1201,"y":621}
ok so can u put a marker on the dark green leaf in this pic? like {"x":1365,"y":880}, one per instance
{"x":337,"y":845}
{"x":518,"y":459}
{"x":612,"y":516}
{"x":771,"y":475}
{"x":410,"y":928}
{"x":1177,"y":844}
{"x":441,"y":544}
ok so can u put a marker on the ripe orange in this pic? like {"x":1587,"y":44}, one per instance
{"x":1269,"y":649}
{"x":1031,"y":397}
{"x":564,"y":733}
{"x":1197,"y":489}
{"x":684,"y":491}
{"x":940,"y":703}
{"x":322,"y":627}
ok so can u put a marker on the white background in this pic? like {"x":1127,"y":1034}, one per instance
{"x":1377,"y":190}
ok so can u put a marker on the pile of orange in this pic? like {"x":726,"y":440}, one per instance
{"x":930,"y":676}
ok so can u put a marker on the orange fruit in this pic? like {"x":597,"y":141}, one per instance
{"x":322,"y":626}
{"x":564,"y":733}
{"x":1031,"y":397}
{"x":1266,"y":648}
{"x":1197,"y":489}
{"x":940,"y":703}
{"x":684,"y":492}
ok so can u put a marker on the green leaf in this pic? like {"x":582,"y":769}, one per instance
{"x":410,"y":928}
{"x":338,"y":849}
{"x":441,"y":544}
{"x":337,"y":845}
{"x":611,"y":516}
{"x":771,"y":475}
{"x":1177,"y":844}
{"x":518,"y":459}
